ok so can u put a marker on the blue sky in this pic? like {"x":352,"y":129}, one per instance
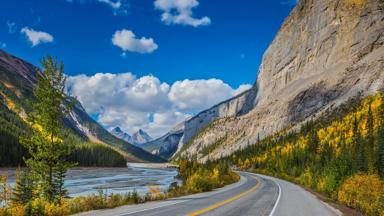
{"x":169,"y":40}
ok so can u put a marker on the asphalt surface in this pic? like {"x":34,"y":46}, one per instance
{"x":252,"y":195}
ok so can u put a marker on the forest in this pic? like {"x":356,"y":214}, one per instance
{"x":340,"y":154}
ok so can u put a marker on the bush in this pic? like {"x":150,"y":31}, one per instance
{"x":196,"y":183}
{"x":364,"y":192}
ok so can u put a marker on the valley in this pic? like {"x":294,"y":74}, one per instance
{"x":304,"y":135}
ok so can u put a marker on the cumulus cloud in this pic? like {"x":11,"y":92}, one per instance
{"x":127,"y":41}
{"x":36,"y":37}
{"x":134,"y":103}
{"x":180,"y":12}
{"x":199,"y":94}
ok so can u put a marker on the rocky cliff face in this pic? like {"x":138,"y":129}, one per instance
{"x":236,"y":106}
{"x":326,"y":52}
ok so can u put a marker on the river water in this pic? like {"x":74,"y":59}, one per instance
{"x":87,"y":180}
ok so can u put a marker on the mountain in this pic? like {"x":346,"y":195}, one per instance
{"x":166,"y":145}
{"x":17,"y":81}
{"x":141,"y":137}
{"x":138,"y":138}
{"x":326,"y":52}
{"x":117,"y":132}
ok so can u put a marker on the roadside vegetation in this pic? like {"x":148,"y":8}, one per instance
{"x":26,"y":199}
{"x":340,"y":155}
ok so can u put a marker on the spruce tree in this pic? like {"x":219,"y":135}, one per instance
{"x":380,"y":139}
{"x":370,"y":141}
{"x":23,"y":190}
{"x":360,"y":162}
{"x":45,"y":145}
{"x":380,"y":161}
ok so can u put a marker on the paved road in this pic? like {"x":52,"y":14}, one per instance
{"x":252,"y":195}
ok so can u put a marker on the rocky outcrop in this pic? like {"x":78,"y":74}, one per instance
{"x":326,"y":52}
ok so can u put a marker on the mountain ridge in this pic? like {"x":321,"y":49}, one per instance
{"x":18,"y":78}
{"x":324,"y":53}
{"x":166,"y":145}
{"x":138,"y":138}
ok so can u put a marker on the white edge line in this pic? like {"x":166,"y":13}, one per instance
{"x":278,"y":199}
{"x":133,"y":212}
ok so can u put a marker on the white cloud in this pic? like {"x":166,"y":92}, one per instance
{"x":128,"y":101}
{"x":119,"y":6}
{"x":3,"y":45}
{"x":36,"y":37}
{"x":242,"y":88}
{"x":127,"y":41}
{"x":114,"y":5}
{"x":195,"y":95}
{"x":180,"y":12}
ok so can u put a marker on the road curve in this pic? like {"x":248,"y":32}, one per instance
{"x":252,"y":195}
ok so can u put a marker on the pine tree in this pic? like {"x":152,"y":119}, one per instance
{"x":45,"y":146}
{"x":380,"y":162}
{"x":380,"y":139}
{"x":360,"y":162}
{"x":370,"y":141}
{"x":59,"y":177}
{"x":23,"y":190}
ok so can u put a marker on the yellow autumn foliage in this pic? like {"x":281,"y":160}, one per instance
{"x":365,"y":192}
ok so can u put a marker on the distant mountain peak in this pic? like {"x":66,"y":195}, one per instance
{"x":119,"y":133}
{"x":141,"y":137}
{"x":138,"y":138}
{"x":117,"y":129}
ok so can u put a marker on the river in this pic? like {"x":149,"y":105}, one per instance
{"x":89,"y":180}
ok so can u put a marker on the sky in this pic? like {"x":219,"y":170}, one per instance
{"x":146,"y":64}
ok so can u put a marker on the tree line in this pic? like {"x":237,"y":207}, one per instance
{"x":342,"y":148}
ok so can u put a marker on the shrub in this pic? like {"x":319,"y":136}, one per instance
{"x":196,"y":183}
{"x":364,"y":192}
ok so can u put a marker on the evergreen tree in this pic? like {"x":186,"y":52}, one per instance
{"x":380,"y":162}
{"x":45,"y":146}
{"x":23,"y":190}
{"x":360,"y":161}
{"x":59,"y":177}
{"x":380,"y":139}
{"x":370,"y":141}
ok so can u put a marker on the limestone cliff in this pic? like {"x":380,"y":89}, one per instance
{"x":326,"y":52}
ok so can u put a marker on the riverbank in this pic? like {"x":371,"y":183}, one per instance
{"x":196,"y":178}
{"x":83,"y":181}
{"x":152,"y":165}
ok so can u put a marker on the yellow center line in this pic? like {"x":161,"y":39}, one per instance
{"x":217,"y":205}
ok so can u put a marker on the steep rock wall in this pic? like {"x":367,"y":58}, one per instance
{"x":326,"y":52}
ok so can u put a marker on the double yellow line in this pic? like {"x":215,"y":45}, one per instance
{"x":217,"y":205}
